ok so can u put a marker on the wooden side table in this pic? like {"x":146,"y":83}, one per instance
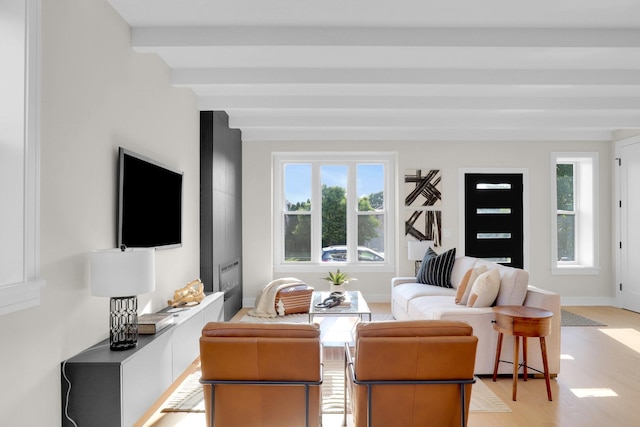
{"x":525,"y":322}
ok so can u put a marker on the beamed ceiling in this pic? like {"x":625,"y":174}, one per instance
{"x":403,"y":69}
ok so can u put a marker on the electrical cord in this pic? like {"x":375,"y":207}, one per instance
{"x":64,"y":375}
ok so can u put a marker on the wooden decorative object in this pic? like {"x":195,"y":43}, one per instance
{"x":293,"y":299}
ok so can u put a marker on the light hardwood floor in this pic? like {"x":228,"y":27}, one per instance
{"x":598,"y":384}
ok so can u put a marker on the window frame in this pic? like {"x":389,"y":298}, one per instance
{"x":318,"y":159}
{"x":585,"y":211}
{"x":26,"y":293}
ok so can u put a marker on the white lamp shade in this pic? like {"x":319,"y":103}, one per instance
{"x":117,"y":273}
{"x":417,"y":249}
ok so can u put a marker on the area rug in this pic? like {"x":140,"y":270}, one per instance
{"x":482,"y":398}
{"x":188,"y":396}
{"x":334,"y":330}
{"x":568,"y":318}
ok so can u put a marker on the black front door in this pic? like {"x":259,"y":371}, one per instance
{"x":494,"y":217}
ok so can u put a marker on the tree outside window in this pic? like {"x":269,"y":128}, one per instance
{"x":575,"y":213}
{"x":566,"y":211}
{"x":333,"y":212}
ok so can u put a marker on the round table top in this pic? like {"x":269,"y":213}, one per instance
{"x":522,"y":311}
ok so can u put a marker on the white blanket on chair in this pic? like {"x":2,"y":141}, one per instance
{"x":266,"y":300}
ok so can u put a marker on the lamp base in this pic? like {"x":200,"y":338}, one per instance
{"x":124,"y":323}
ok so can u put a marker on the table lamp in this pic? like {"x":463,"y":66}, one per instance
{"x":417,"y":249}
{"x":122,"y":274}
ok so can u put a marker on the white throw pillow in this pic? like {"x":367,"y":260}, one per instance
{"x":485,"y":289}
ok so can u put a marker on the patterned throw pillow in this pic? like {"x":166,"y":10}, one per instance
{"x":436,"y":269}
{"x":464,"y":289}
{"x":462,"y":286}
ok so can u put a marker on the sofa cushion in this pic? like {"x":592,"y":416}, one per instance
{"x":515,"y":294}
{"x":412,"y":329}
{"x":402,"y":294}
{"x":436,"y":269}
{"x":253,"y":329}
{"x":460,"y":267}
{"x":424,"y":308}
{"x":513,"y":284}
{"x":464,"y":289}
{"x":485,"y":289}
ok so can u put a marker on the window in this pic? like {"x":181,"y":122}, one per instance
{"x":574,"y":210}
{"x":19,"y":105}
{"x":333,"y":209}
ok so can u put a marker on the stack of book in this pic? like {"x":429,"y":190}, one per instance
{"x":152,"y":323}
{"x":346,"y":302}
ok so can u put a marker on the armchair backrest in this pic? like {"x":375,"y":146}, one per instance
{"x":413,"y":351}
{"x":263,"y":360}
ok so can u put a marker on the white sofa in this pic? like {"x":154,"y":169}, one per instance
{"x":416,"y":301}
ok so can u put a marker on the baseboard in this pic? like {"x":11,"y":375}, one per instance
{"x":589,"y":301}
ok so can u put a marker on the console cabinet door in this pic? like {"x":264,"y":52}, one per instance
{"x":214,"y":312}
{"x":186,"y":343}
{"x":144,"y":378}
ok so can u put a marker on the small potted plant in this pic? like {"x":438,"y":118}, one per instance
{"x":338,"y":281}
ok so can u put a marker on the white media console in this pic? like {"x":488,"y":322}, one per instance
{"x":115,"y":388}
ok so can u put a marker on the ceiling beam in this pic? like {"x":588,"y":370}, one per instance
{"x":168,"y":36}
{"x":393,"y":136}
{"x":295,"y":76}
{"x":298,"y":118}
{"x":420,"y":102}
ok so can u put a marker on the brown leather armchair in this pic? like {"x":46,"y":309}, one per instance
{"x":411,"y":373}
{"x":261,"y":374}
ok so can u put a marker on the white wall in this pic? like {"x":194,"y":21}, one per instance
{"x":449,"y":157}
{"x":97,"y":94}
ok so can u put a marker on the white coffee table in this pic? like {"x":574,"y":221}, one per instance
{"x":358,"y":306}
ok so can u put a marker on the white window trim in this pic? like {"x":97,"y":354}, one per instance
{"x":26,"y":294}
{"x":388,"y":159}
{"x":587,"y":202}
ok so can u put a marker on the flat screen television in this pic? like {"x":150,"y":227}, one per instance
{"x":149,"y":203}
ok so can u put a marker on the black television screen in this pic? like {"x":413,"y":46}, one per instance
{"x":149,"y":203}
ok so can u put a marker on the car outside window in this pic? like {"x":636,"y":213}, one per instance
{"x":331,"y":208}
